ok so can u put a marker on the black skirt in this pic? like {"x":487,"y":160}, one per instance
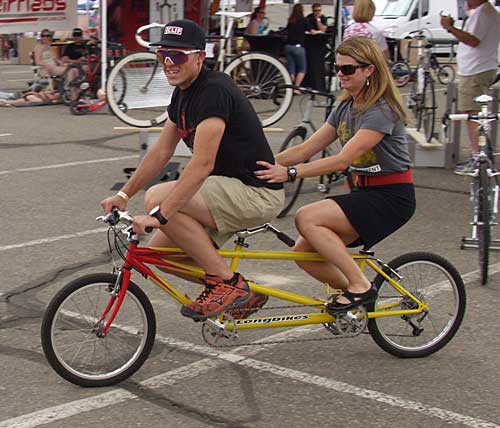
{"x":376,"y":212}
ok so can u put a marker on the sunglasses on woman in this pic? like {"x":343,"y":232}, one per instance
{"x":46,"y":35}
{"x":349,"y":69}
{"x":174,"y":57}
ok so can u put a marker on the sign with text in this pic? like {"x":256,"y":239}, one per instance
{"x":19,"y":16}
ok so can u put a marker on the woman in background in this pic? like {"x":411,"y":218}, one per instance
{"x":294,"y":48}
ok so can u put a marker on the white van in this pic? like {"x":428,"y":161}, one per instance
{"x":397,"y":18}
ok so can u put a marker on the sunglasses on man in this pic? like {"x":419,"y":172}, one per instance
{"x":174,"y":57}
{"x":349,"y":69}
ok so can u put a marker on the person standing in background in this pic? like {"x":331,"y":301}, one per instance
{"x":363,"y":13}
{"x":316,"y":21}
{"x":294,"y":48}
{"x":476,"y":60}
{"x":258,"y":22}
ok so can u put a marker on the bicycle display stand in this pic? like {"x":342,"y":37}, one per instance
{"x":453,"y":155}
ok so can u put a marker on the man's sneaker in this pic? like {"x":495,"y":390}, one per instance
{"x":465,"y":167}
{"x":218,"y":297}
{"x":255,"y":302}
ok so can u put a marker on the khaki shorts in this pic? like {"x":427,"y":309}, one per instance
{"x":235,"y":206}
{"x":470,"y":87}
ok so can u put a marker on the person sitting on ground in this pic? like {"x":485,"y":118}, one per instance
{"x":45,"y":57}
{"x":258,"y":22}
{"x":370,"y":123}
{"x":42,"y":97}
{"x":217,"y":193}
{"x":363,"y":13}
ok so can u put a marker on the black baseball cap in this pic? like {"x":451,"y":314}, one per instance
{"x":182,"y":33}
{"x":77,"y":32}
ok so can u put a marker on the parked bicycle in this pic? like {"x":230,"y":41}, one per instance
{"x":298,"y":135}
{"x":99,"y":329}
{"x":484,"y":186}
{"x":260,"y":76}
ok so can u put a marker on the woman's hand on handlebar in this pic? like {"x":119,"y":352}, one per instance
{"x":113,"y":201}
{"x":272,"y":173}
{"x":144,"y":224}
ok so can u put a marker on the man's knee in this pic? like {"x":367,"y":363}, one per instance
{"x":156,"y":194}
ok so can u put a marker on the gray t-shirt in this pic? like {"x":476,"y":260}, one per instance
{"x":389,"y":155}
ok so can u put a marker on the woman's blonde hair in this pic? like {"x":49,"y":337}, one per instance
{"x":363,"y":10}
{"x":365,"y":50}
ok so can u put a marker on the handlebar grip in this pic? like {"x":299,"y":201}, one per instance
{"x":283,"y":237}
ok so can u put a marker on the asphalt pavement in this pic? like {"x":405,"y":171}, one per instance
{"x":54,"y":170}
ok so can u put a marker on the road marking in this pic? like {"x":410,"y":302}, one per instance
{"x":17,"y":80}
{"x":52,"y":239}
{"x":17,"y":72}
{"x":199,"y":367}
{"x":5,"y":135}
{"x":68,"y":164}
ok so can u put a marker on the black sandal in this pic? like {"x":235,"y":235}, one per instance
{"x":355,"y":299}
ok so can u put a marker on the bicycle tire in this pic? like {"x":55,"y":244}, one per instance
{"x":260,"y":77}
{"x":444,"y":291}
{"x":65,"y":319}
{"x":483,"y":221}
{"x":401,"y":73}
{"x":292,"y":190}
{"x":77,"y":108}
{"x":427,"y":110}
{"x":445,"y":74}
{"x":143,"y":88}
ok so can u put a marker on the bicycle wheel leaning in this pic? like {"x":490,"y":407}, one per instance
{"x":292,"y":190}
{"x":401,"y":73}
{"x":483,"y":221}
{"x":426,"y":107}
{"x":137,"y":90}
{"x":261,"y":78}
{"x":433,"y":280}
{"x":70,"y":332}
{"x":446,"y":74}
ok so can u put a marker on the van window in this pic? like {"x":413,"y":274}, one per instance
{"x":425,"y":10}
{"x":392,"y":8}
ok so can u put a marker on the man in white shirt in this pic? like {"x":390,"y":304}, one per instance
{"x":476,"y":57}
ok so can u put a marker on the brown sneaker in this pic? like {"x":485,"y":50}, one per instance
{"x":218,"y":296}
{"x":255,"y":302}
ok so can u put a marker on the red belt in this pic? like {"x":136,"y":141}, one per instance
{"x":382,"y":180}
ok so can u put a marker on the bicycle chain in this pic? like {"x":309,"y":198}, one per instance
{"x":272,"y":342}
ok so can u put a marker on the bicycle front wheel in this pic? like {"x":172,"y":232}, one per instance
{"x":427,"y":110}
{"x":483,"y":221}
{"x":292,"y":190}
{"x":138,"y":91}
{"x":261,"y":78}
{"x":401,"y":72}
{"x":70,"y":332}
{"x":433,"y":280}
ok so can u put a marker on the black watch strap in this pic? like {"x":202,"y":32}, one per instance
{"x":156,"y":213}
{"x":292,"y":173}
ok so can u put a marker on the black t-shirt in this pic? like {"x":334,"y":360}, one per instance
{"x":312,"y":23}
{"x":214,"y":94}
{"x":74,"y":51}
{"x":296,"y":32}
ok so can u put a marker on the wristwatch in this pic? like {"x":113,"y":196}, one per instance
{"x":292,"y":173}
{"x":156,"y":213}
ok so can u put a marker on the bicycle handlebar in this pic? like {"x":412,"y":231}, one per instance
{"x":138,"y":32}
{"x":308,"y":90}
{"x":468,"y":116}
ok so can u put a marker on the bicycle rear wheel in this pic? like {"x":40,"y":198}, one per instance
{"x":483,"y":221}
{"x":401,"y":72}
{"x":138,"y":91}
{"x":261,"y":78}
{"x":292,"y":190}
{"x":71,"y":340}
{"x":427,"y":110}
{"x":431,"y":279}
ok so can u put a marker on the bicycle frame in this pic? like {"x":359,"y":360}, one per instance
{"x":167,"y":259}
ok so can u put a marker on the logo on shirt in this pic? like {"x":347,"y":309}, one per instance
{"x":172,"y":29}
